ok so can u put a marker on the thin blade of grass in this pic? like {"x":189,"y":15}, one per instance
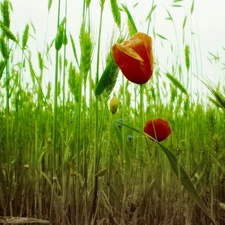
{"x":162,"y":37}
{"x":184,"y":22}
{"x":192,"y":6}
{"x":74,"y":50}
{"x":176,"y":83}
{"x":49,"y":5}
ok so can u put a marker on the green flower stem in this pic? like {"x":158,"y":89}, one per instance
{"x":63,"y":177}
{"x":141,"y":125}
{"x":55,"y":114}
{"x":96,"y":138}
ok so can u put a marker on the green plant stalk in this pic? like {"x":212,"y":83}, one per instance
{"x":8,"y":153}
{"x":141,"y":125}
{"x":124,"y":163}
{"x":55,"y":114}
{"x":78,"y":148}
{"x":150,"y":19}
{"x":86,"y":125}
{"x":63,"y":177}
{"x":96,"y":147}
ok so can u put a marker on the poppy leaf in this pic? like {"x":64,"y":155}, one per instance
{"x":186,"y":181}
{"x":177,"y":83}
{"x":108,"y":78}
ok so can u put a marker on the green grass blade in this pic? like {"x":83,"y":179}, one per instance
{"x":162,"y":37}
{"x":49,"y":5}
{"x":74,"y":50}
{"x":184,"y":22}
{"x":176,"y":83}
{"x":192,"y":6}
{"x":186,"y":181}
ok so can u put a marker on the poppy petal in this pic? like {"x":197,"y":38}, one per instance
{"x":158,"y":129}
{"x":134,"y":57}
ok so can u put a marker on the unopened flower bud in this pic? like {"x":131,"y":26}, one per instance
{"x":26,"y":167}
{"x":114,"y":103}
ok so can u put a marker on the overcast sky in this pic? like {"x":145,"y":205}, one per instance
{"x":204,"y":32}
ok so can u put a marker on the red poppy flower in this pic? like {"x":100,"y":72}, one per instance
{"x":158,"y":128}
{"x":134,"y":57}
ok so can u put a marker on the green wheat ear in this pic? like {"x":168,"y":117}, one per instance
{"x":219,"y":97}
{"x":4,"y":49}
{"x":5,"y":13}
{"x":59,"y":35}
{"x":131,"y":24}
{"x":73,"y":82}
{"x":25,"y":36}
{"x":7,"y":32}
{"x":86,"y":51}
{"x":116,"y":12}
{"x":187,"y":57}
{"x":2,"y":67}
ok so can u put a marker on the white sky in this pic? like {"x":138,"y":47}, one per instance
{"x":207,"y":22}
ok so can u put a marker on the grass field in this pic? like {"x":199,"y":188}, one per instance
{"x":66,"y":158}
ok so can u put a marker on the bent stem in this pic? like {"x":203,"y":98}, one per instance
{"x":141,"y":125}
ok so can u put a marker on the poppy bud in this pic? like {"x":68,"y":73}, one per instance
{"x":135,"y":58}
{"x":26,"y":167}
{"x":158,"y":129}
{"x":49,"y":141}
{"x":113,"y":105}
